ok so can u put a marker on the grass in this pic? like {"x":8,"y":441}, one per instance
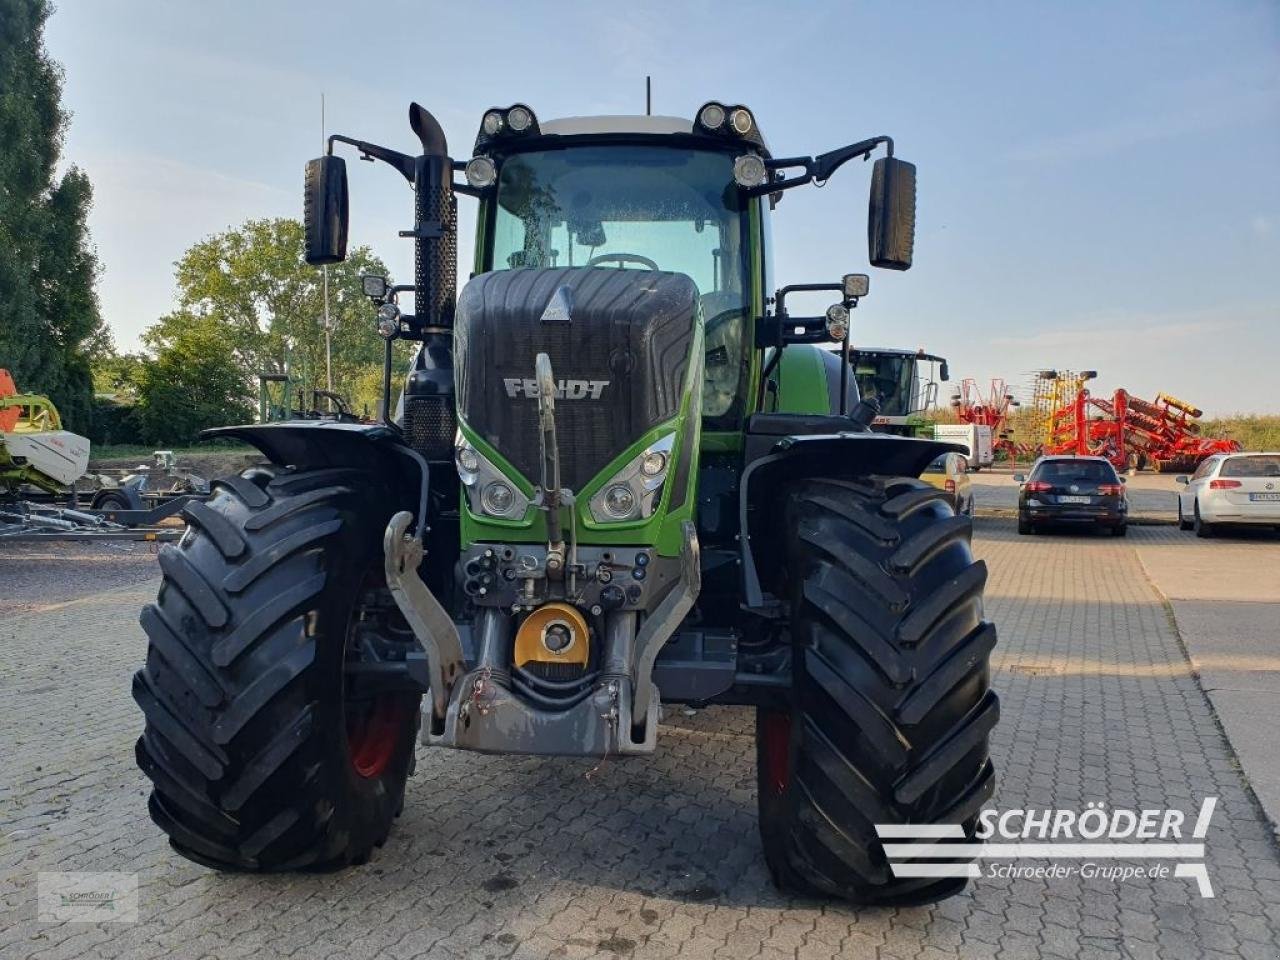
{"x":128,"y":451}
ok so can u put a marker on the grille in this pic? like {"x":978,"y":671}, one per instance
{"x":430,"y":426}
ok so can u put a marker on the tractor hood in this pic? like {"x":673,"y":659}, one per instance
{"x":620,"y":344}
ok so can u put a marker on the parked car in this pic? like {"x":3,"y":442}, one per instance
{"x":950,"y":472}
{"x":1231,"y":488}
{"x":1076,"y":491}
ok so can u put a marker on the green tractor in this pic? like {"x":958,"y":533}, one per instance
{"x":903,"y":384}
{"x":621,"y":475}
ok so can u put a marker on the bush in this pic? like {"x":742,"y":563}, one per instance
{"x":193,"y":383}
{"x":112,"y":422}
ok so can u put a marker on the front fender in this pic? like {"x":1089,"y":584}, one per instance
{"x":839,"y":456}
{"x":316,"y":444}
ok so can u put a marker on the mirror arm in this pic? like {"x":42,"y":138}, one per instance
{"x":816,"y":169}
{"x":826,"y":164}
{"x":371,"y":151}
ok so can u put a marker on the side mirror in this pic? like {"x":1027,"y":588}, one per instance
{"x":944,"y":372}
{"x":891,"y":215}
{"x":1019,"y":478}
{"x":374,"y":286}
{"x":1182,"y":478}
{"x":325,"y":211}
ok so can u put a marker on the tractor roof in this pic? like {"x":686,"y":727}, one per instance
{"x":577,"y":126}
{"x":498,"y":135}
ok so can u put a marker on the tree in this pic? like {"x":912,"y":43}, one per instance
{"x":192,"y":383}
{"x":253,"y":284}
{"x":50,"y":323}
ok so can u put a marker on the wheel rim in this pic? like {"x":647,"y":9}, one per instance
{"x":776,"y":741}
{"x":372,"y":735}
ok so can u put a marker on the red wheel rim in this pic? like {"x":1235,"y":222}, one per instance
{"x":776,"y":736}
{"x":373,"y":736}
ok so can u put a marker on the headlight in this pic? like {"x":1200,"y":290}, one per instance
{"x":654,"y":464}
{"x":489,"y":492}
{"x":481,"y":173}
{"x":634,"y":491}
{"x":498,"y":498}
{"x":619,"y":502}
{"x":837,"y":322}
{"x":388,"y":320}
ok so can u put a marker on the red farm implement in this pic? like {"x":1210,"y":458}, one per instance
{"x":1131,"y":432}
{"x":991,"y":409}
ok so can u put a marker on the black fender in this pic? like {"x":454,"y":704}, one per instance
{"x":314,"y":444}
{"x":841,"y":456}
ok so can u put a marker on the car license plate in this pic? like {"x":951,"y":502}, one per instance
{"x":1067,"y":499}
{"x":1264,"y":496}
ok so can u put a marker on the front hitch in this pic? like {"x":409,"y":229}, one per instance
{"x":428,"y":620}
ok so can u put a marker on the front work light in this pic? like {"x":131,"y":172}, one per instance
{"x":749,"y":171}
{"x":481,"y":173}
{"x":741,"y":121}
{"x":519,"y":119}
{"x":712,"y":116}
{"x":855,"y":285}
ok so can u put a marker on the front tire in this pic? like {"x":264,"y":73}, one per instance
{"x":1183,"y":522}
{"x":260,"y":756}
{"x":891,"y":700}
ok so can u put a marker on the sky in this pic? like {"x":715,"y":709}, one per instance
{"x":1099,"y":183}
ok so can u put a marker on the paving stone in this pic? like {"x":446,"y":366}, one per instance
{"x":656,"y":858}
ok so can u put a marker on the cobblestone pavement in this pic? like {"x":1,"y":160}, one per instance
{"x":512,"y":857}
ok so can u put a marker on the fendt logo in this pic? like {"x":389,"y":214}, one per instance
{"x":565,"y":389}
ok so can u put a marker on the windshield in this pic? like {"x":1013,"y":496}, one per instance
{"x":889,"y":379}
{"x":638,"y":208}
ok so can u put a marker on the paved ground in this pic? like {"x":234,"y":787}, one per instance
{"x":1225,"y":596}
{"x":1151,"y":495}
{"x":498,"y":857}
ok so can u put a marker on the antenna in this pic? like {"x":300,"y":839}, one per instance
{"x":648,"y":96}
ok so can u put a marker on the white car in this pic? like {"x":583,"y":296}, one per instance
{"x":1231,"y":488}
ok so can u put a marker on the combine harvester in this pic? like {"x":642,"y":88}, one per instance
{"x":1132,"y":433}
{"x":904,"y":383}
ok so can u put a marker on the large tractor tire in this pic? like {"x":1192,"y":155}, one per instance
{"x":891,"y":702}
{"x":261,"y":755}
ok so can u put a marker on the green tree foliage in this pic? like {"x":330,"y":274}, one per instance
{"x":50,"y":325}
{"x":193,"y":383}
{"x":254,"y":287}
